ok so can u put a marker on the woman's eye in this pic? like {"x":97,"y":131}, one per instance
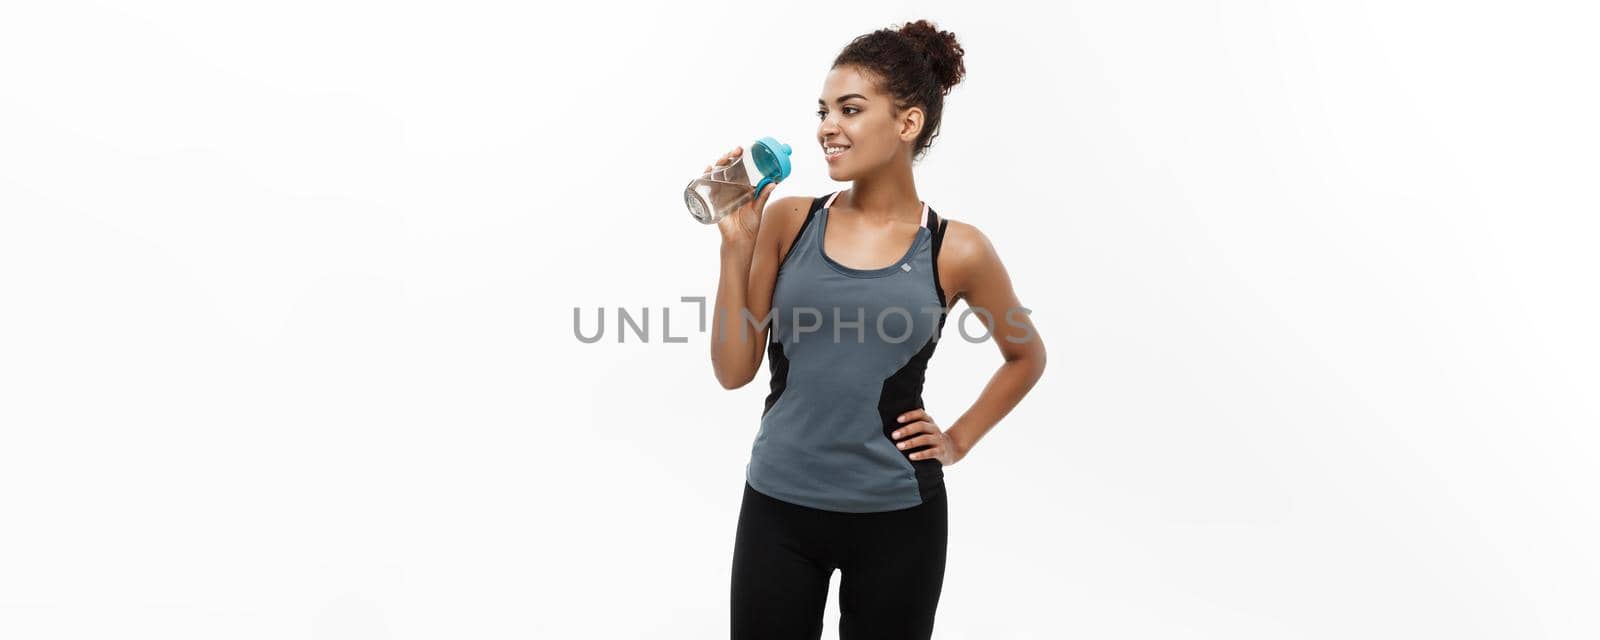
{"x":824,"y":114}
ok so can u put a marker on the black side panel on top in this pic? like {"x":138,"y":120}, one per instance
{"x":902,"y":392}
{"x":779,"y":365}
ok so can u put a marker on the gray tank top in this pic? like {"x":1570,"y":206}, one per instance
{"x":847,"y":351}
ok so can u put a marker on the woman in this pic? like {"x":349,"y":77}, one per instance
{"x":847,"y":470}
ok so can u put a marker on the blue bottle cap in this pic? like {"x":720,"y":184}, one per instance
{"x":771,"y":159}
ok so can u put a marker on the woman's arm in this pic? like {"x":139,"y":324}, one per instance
{"x":981,"y":279}
{"x":749,"y":271}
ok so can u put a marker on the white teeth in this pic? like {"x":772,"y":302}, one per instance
{"x":833,"y":150}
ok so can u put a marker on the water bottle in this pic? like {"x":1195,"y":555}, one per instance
{"x":711,"y":197}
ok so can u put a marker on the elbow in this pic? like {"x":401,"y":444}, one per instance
{"x":732,"y":380}
{"x":1032,"y":360}
{"x":733,"y":383}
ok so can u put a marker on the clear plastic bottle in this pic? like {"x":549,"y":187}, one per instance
{"x":711,"y":197}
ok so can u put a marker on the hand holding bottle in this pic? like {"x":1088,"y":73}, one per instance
{"x":740,"y":226}
{"x":737,"y":187}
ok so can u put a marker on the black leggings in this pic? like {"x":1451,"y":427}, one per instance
{"x":891,"y":567}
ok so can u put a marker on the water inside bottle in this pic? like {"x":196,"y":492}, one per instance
{"x":714,"y":196}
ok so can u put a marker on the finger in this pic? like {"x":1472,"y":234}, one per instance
{"x":920,"y":426}
{"x":930,"y":452}
{"x":914,"y":414}
{"x":765,"y":193}
{"x":922,"y":440}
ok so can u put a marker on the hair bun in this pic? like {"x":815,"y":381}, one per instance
{"x":941,"y":50}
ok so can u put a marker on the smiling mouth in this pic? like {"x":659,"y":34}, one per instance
{"x":832,"y":152}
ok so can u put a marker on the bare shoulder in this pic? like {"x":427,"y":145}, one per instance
{"x":787,"y":208}
{"x":964,"y":241}
{"x":782,"y":220}
{"x":965,"y":256}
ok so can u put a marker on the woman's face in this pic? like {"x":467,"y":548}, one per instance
{"x":856,"y":117}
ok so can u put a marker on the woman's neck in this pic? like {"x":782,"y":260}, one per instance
{"x":884,"y":201}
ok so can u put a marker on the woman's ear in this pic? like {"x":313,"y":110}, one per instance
{"x":911,"y":124}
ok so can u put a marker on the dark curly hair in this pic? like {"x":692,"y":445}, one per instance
{"x":916,"y":64}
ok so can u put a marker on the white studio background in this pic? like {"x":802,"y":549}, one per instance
{"x":287,"y":346}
